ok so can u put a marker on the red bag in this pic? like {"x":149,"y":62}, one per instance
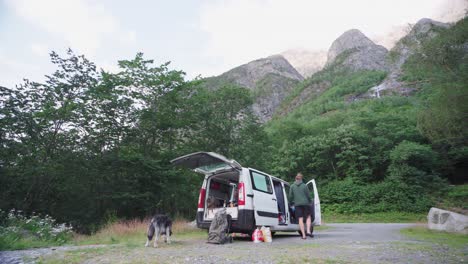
{"x":257,"y":236}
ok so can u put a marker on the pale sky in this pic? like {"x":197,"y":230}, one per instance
{"x":205,"y":37}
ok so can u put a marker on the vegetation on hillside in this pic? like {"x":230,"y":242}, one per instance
{"x":389,"y":154}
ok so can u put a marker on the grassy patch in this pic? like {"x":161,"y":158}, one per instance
{"x":72,"y":256}
{"x":17,"y":243}
{"x":437,"y":237}
{"x":322,"y":227}
{"x":132,"y":233}
{"x":19,"y":231}
{"x":384,"y":217}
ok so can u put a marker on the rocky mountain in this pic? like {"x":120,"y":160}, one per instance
{"x":270,"y":80}
{"x":352,"y":51}
{"x":355,"y":51}
{"x":424,"y":29}
{"x":306,"y":62}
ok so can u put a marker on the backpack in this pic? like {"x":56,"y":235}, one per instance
{"x":219,"y":228}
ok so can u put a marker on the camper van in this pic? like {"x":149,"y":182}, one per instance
{"x":252,"y":198}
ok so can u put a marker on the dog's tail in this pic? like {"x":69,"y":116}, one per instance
{"x":150,"y":231}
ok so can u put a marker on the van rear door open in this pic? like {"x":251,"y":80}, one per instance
{"x":206,"y":162}
{"x":318,"y":215}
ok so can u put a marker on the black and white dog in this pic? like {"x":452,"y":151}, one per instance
{"x":160,"y":225}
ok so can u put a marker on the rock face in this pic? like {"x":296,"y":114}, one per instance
{"x":247,"y":75}
{"x":443,"y":220}
{"x":306,"y":62}
{"x":424,"y":29}
{"x":355,"y":51}
{"x":409,"y":44}
{"x":270,"y":79}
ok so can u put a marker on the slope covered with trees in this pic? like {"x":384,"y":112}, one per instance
{"x":395,"y":153}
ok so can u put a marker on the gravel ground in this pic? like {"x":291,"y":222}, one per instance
{"x":341,"y":243}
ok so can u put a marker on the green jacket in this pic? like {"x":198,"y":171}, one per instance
{"x":299,"y":194}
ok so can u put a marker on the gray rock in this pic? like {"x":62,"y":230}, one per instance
{"x":423,"y":30}
{"x":443,"y":220}
{"x":355,"y":51}
{"x":247,"y":75}
{"x":270,"y":79}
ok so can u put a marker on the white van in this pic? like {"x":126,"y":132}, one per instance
{"x":252,"y":198}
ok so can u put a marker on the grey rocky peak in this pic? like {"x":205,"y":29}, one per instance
{"x":306,"y":62}
{"x":249,"y":74}
{"x":426,"y":26}
{"x":357,"y":52}
{"x":351,"y":39}
{"x":423,"y":30}
{"x":270,"y":79}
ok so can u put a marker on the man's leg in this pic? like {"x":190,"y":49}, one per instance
{"x":308,"y":223}
{"x":301,"y":225}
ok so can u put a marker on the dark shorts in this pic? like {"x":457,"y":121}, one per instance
{"x":302,"y":211}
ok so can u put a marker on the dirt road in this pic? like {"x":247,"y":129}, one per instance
{"x":340,"y":243}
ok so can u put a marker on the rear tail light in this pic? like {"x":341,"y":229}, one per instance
{"x":201,"y":198}
{"x":241,"y":193}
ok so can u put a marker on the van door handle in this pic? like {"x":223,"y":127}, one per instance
{"x":274,"y":199}
{"x":249,"y":195}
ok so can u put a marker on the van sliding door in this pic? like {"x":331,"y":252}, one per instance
{"x":265,"y":204}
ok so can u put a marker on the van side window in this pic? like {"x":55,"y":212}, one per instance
{"x":261,"y":182}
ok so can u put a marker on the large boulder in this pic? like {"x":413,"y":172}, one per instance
{"x":443,"y":220}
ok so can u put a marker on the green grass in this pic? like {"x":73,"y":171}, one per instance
{"x":73,"y":256}
{"x":437,"y":237}
{"x":18,"y":243}
{"x":384,"y":217}
{"x":322,"y":228}
{"x":133,"y":233}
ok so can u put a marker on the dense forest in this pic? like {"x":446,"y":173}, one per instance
{"x":88,"y":145}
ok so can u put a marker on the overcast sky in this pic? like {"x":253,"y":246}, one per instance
{"x":199,"y":37}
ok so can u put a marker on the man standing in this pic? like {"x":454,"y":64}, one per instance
{"x":299,"y":195}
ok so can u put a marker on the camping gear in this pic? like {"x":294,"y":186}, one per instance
{"x":219,"y":228}
{"x":266,"y":232}
{"x":257,"y":236}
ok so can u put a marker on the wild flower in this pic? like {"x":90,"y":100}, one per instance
{"x":16,"y":225}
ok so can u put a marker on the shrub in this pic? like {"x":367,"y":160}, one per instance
{"x":19,"y":231}
{"x":349,"y":197}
